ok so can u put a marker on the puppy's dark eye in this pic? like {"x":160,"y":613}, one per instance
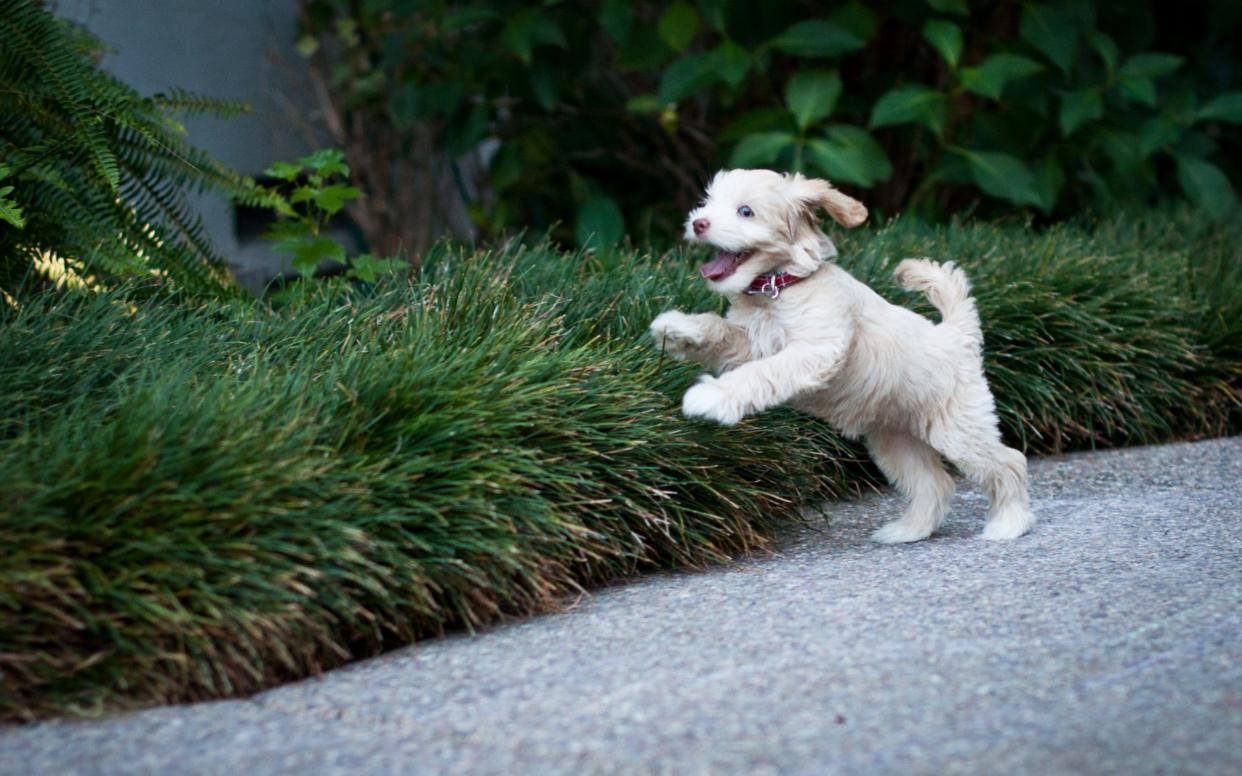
{"x":745,"y":212}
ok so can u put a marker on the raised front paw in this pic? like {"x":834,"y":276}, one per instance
{"x":708,"y":399}
{"x":676,"y":333}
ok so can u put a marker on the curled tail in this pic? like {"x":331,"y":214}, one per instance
{"x":946,"y":287}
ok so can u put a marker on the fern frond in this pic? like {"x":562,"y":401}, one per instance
{"x":10,"y":211}
{"x":99,"y":173}
{"x":36,"y":35}
{"x":191,"y":104}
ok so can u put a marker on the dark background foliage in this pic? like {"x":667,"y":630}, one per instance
{"x":605,"y":118}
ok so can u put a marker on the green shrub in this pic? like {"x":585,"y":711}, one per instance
{"x":608,"y":116}
{"x":92,"y":172}
{"x":306,"y":195}
{"x":201,"y":500}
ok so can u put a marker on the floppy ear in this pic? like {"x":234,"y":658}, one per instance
{"x":813,"y":192}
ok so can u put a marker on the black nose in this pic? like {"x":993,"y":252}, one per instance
{"x":700,"y":225}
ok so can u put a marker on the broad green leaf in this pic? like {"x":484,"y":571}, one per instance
{"x":811,"y":95}
{"x":364,"y":272}
{"x":1048,"y":180}
{"x":1151,"y":64}
{"x":1123,"y":148}
{"x":950,"y":6}
{"x":285,"y":171}
{"x":1138,"y":89}
{"x":989,"y":77}
{"x":1226,"y":107}
{"x":1002,"y":175}
{"x":287,"y":234}
{"x":946,"y":38}
{"x":600,"y":222}
{"x":1050,"y":31}
{"x":1105,"y":47}
{"x":1079,"y":107}
{"x":760,"y":149}
{"x":517,"y":37}
{"x":326,"y":162}
{"x":817,"y":38}
{"x":367,"y":268}
{"x":849,"y":154}
{"x":543,"y":85}
{"x":303,"y":194}
{"x":910,"y":104}
{"x":731,"y":63}
{"x":333,"y":198}
{"x":615,"y":17}
{"x":1158,"y":132}
{"x":686,"y":76}
{"x":1206,"y":185}
{"x":526,"y":30}
{"x":311,"y":251}
{"x":678,"y":25}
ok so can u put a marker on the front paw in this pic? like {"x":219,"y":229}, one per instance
{"x":707,"y":399}
{"x":676,"y":333}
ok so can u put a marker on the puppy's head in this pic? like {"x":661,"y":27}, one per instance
{"x":762,"y":221}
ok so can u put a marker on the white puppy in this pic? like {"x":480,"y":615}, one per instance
{"x":802,"y":331}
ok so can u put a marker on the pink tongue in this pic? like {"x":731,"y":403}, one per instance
{"x":720,"y":267}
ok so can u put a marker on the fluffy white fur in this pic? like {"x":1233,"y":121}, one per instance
{"x":830,"y":346}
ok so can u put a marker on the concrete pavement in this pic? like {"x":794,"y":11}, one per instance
{"x":1107,"y":641}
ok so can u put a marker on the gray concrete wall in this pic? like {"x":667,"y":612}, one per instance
{"x":230,"y":49}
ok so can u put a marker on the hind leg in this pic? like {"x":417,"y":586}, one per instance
{"x":916,"y":471}
{"x":999,"y":470}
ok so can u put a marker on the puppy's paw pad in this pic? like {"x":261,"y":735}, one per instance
{"x":902,"y":531}
{"x":708,"y":400}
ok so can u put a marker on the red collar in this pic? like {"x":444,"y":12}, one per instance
{"x":771,"y":285}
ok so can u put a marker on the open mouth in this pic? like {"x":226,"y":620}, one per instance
{"x":724,"y":265}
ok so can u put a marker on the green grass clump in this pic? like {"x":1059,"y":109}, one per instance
{"x":201,"y":500}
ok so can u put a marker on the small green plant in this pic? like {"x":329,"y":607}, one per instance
{"x":312,"y":190}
